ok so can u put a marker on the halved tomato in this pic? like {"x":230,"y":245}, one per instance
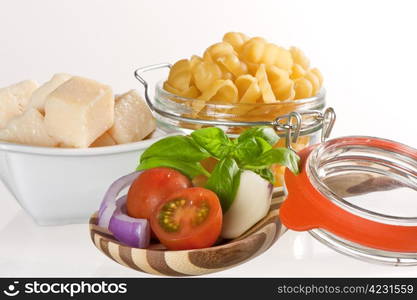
{"x":188,"y":219}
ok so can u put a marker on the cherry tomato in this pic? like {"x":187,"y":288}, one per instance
{"x":188,"y":219}
{"x":150,"y":188}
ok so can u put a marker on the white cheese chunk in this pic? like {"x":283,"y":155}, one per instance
{"x":39,"y":96}
{"x":14,"y":100}
{"x":79,"y":111}
{"x":251,"y":204}
{"x":133,"y":120}
{"x":29,"y":129}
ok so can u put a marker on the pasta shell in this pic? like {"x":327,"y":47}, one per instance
{"x":205,"y":74}
{"x":315,"y":82}
{"x":303,"y":88}
{"x":221,"y":91}
{"x":218,"y":50}
{"x":180,"y":75}
{"x":299,"y":58}
{"x":267,"y":93}
{"x":316,"y":72}
{"x":191,"y":92}
{"x":253,"y":50}
{"x":236,"y":39}
{"x":297,"y":72}
{"x":281,"y":84}
{"x":248,"y":88}
{"x":233,"y":65}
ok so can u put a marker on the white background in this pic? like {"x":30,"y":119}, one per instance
{"x":367,"y":51}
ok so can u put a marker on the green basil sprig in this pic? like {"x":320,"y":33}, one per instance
{"x":178,"y":147}
{"x":224,"y":181}
{"x":214,"y":141}
{"x":264,"y":132}
{"x":248,"y":149}
{"x":252,"y":150}
{"x":177,"y":152}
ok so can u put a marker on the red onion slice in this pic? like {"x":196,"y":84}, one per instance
{"x":108,"y":205}
{"x":130,"y":231}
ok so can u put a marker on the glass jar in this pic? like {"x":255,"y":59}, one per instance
{"x":299,"y":122}
{"x":357,"y":195}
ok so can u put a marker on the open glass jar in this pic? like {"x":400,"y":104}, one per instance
{"x":358,"y":196}
{"x":341,"y":194}
{"x":299,"y":122}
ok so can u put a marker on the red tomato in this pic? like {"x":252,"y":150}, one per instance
{"x":150,"y":188}
{"x":188,"y":219}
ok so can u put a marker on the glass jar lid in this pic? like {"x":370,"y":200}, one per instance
{"x":362,"y":190}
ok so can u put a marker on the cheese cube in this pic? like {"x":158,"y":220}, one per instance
{"x":104,"y":140}
{"x":79,"y":111}
{"x":39,"y":96}
{"x":29,"y":129}
{"x":133,"y":120}
{"x":14,"y":100}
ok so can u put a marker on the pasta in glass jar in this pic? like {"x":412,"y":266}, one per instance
{"x":178,"y":113}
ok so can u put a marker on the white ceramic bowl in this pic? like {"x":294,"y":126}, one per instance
{"x":62,"y":186}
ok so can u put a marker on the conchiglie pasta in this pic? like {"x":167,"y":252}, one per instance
{"x":259,"y":51}
{"x":205,"y":74}
{"x":281,"y":83}
{"x":270,"y":54}
{"x":233,"y":65}
{"x":218,"y":50}
{"x":194,"y":60}
{"x":253,"y":50}
{"x":266,"y":89}
{"x":249,"y":93}
{"x":248,"y":89}
{"x":299,"y":58}
{"x":221,"y":91}
{"x":190,"y":92}
{"x":236,"y":39}
{"x":315,"y":82}
{"x":317,"y":72}
{"x":243,"y":82}
{"x":243,"y":78}
{"x":297,"y":72}
{"x":252,"y":68}
{"x":303,"y":88}
{"x":180,"y":75}
{"x":240,"y":69}
{"x":284,"y":59}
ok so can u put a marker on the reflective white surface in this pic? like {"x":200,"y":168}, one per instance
{"x":66,"y":251}
{"x":369,"y":81}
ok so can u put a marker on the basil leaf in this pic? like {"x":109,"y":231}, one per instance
{"x":213,"y":140}
{"x":249,"y":149}
{"x":265,"y":174}
{"x":224,"y":181}
{"x":177,"y":147}
{"x":281,"y":156}
{"x":265,"y":132}
{"x":188,"y":168}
